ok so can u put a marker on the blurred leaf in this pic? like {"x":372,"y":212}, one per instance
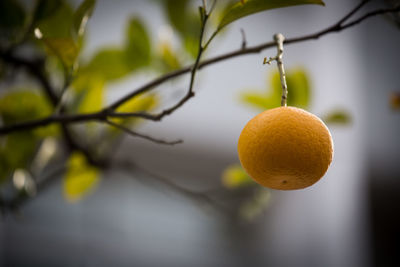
{"x":168,"y":58}
{"x":12,"y":15}
{"x":64,"y":48}
{"x":176,"y":11}
{"x":186,"y":23}
{"x":24,"y":105}
{"x":57,"y":24}
{"x":16,"y":152}
{"x":253,"y":207}
{"x":337,"y":117}
{"x":80,"y":177}
{"x":55,"y":31}
{"x":93,"y":93}
{"x":299,"y":91}
{"x":109,"y":64}
{"x":259,"y":100}
{"x":12,"y":20}
{"x":45,"y":8}
{"x":248,"y":7}
{"x":137,"y":45}
{"x":82,"y":15}
{"x":136,"y":104}
{"x":235,"y":176}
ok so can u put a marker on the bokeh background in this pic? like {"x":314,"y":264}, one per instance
{"x":348,"y":218}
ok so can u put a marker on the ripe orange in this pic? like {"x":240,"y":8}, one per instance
{"x":285,"y":148}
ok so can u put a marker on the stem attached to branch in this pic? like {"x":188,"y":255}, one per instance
{"x":279,"y":39}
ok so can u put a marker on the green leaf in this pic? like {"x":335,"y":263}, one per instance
{"x":16,"y":152}
{"x":92,"y":88}
{"x":64,"y":48}
{"x":186,"y":23}
{"x":109,"y":64}
{"x":12,"y":15}
{"x":23,"y":105}
{"x":45,"y":8}
{"x":82,"y":15}
{"x":136,"y":104}
{"x":235,"y":176}
{"x":337,"y":117}
{"x":137,"y":45}
{"x":168,"y":58}
{"x":12,"y":21}
{"x":249,"y":7}
{"x":299,"y":91}
{"x":258,"y":100}
{"x":57,"y":24}
{"x":176,"y":11}
{"x":80,"y":178}
{"x":253,"y":207}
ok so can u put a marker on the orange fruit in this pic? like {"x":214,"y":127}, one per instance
{"x":285,"y":148}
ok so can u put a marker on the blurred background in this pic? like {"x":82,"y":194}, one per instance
{"x":191,"y":204}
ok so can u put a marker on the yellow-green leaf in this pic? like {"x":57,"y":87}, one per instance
{"x":259,"y":100}
{"x":65,"y":49}
{"x":22,"y":105}
{"x":248,"y":7}
{"x":45,"y":8}
{"x":92,"y":88}
{"x":58,"y":23}
{"x":253,"y":207}
{"x":337,"y":117}
{"x":109,"y":64}
{"x":137,"y":104}
{"x":17,"y":150}
{"x":137,"y":45}
{"x":168,"y":58}
{"x":235,"y":176}
{"x":82,"y":15}
{"x":80,"y":178}
{"x":299,"y":91}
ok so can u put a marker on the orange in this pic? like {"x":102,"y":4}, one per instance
{"x":285,"y":148}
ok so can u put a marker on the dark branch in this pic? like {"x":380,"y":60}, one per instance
{"x":147,"y":137}
{"x":109,"y":111}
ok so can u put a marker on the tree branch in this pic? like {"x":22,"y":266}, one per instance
{"x":109,"y":111}
{"x":147,"y":137}
{"x":36,"y":69}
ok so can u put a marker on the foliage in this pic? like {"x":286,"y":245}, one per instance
{"x":80,"y":177}
{"x":248,"y":7}
{"x":56,"y":30}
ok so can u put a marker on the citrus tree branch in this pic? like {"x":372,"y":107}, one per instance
{"x":109,"y":111}
{"x":136,"y":134}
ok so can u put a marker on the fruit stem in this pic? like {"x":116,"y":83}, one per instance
{"x":279,"y":38}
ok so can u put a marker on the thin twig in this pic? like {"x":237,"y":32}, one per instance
{"x":200,"y":197}
{"x":108,"y":111}
{"x":147,"y":137}
{"x":244,"y":42}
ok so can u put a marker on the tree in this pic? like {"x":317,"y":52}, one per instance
{"x":35,"y":121}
